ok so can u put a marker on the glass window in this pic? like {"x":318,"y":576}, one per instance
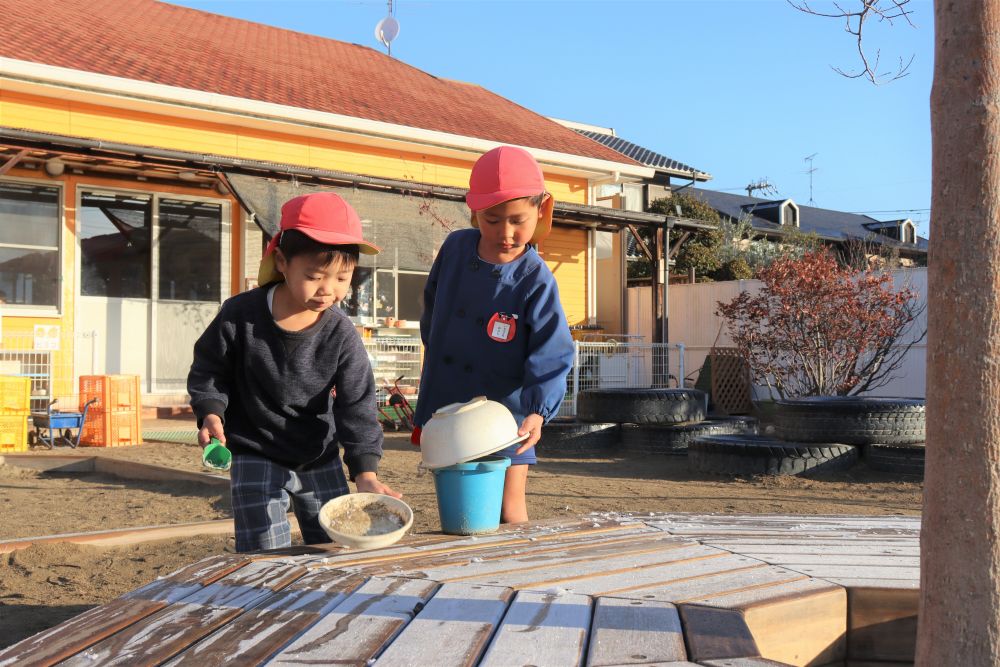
{"x":114,"y":233}
{"x":29,"y":244}
{"x":190,"y":247}
{"x":411,"y":295}
{"x":358,"y":302}
{"x":385,"y":286}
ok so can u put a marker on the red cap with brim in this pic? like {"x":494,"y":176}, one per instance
{"x":322,"y":216}
{"x":507,"y":173}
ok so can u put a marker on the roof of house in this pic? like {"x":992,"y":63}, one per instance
{"x":156,"y":42}
{"x":644,"y":155}
{"x":826,"y":223}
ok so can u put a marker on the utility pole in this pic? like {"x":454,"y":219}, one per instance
{"x":811,"y":170}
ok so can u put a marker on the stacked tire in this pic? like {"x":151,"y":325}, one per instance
{"x":638,"y":421}
{"x":823,"y":433}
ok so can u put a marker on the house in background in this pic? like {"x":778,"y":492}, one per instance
{"x":773,"y":219}
{"x":145,"y":150}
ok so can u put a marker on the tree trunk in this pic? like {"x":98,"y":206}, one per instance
{"x":960,"y":545}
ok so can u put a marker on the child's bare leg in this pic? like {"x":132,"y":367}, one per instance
{"x":515,"y":505}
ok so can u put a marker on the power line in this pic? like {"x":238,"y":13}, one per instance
{"x":895,"y":210}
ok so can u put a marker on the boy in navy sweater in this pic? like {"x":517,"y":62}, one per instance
{"x":492,"y":323}
{"x":281,"y":377}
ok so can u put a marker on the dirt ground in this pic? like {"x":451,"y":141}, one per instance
{"x":43,"y":585}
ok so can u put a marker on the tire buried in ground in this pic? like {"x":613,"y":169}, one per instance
{"x":673,"y":439}
{"x":641,"y":406}
{"x":562,"y":436}
{"x":900,"y":459}
{"x":758,"y":455}
{"x":851,"y":420}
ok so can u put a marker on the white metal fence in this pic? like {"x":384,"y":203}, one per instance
{"x":611,"y":364}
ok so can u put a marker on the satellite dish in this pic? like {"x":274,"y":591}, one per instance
{"x":387,"y":30}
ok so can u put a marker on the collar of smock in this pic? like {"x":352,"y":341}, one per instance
{"x":508,"y":273}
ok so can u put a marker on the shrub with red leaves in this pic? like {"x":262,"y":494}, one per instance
{"x":820,"y":329}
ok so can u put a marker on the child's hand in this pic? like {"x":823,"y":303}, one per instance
{"x":367,"y":482}
{"x":211,"y":427}
{"x":531,"y":427}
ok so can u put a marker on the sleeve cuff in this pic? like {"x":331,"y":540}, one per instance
{"x":209,"y":406}
{"x":361,"y":463}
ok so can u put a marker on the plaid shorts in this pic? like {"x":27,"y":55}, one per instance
{"x":262,"y":491}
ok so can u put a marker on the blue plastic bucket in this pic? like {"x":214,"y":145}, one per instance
{"x":470,"y":494}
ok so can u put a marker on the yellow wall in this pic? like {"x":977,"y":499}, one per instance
{"x":18,"y":329}
{"x":46,"y":114}
{"x":565,"y":252}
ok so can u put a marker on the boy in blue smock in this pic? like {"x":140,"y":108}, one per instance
{"x":282,"y":378}
{"x":492,"y":323}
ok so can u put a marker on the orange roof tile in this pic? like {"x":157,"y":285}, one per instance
{"x":161,"y":43}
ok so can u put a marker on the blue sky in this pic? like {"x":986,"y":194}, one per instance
{"x":742,"y":89}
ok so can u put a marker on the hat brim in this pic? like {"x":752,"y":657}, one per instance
{"x":268,"y":271}
{"x":544,"y":226}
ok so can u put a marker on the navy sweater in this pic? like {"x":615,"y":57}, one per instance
{"x":273,"y":387}
{"x":461,"y":361}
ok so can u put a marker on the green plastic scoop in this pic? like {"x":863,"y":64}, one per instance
{"x":216,"y":456}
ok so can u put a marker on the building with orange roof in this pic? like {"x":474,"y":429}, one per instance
{"x":145,"y":149}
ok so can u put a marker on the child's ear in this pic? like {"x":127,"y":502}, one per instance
{"x":280,"y":262}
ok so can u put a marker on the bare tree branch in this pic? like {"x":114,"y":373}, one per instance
{"x":854,"y":24}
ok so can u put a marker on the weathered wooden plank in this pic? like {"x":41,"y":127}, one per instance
{"x":161,"y":636}
{"x":601,"y":577}
{"x":634,"y":632}
{"x":809,"y":628}
{"x":361,"y":626}
{"x":714,"y":634}
{"x":746,"y":662}
{"x":528,"y":554}
{"x":862,"y":571}
{"x":94,"y":625}
{"x":541,"y":629}
{"x":883,"y":624}
{"x":263,"y":630}
{"x":857,"y":582}
{"x":848,"y":560}
{"x":579,"y":562}
{"x":705,"y":582}
{"x":758,"y":550}
{"x":78,"y":633}
{"x":452,"y":629}
{"x":742,"y":597}
{"x":518,"y":536}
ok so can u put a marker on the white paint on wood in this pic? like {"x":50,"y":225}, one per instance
{"x":634,"y":632}
{"x":361,"y":626}
{"x":541,"y":629}
{"x":706,"y":585}
{"x":452,"y":629}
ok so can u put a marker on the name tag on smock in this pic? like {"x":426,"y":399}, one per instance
{"x":502,"y":327}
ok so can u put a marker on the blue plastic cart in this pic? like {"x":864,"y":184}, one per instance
{"x":52,"y":427}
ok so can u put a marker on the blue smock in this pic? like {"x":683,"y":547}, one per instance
{"x":461,"y":361}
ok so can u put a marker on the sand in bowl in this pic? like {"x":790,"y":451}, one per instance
{"x":366,"y":520}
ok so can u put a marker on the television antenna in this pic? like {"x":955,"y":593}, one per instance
{"x":761,"y":185}
{"x":811,"y":170}
{"x":387,"y":30}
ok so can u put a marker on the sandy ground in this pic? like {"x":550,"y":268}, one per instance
{"x":44,"y":585}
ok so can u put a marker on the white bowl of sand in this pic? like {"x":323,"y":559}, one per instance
{"x":366,"y":520}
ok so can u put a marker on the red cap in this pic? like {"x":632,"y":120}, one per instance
{"x":322,"y":216}
{"x":502,"y":174}
{"x":506,"y":173}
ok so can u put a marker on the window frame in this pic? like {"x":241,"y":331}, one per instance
{"x":35,"y":310}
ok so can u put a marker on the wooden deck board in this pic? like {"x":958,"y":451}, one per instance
{"x":162,"y":635}
{"x":604,"y":590}
{"x":452,"y":630}
{"x":636,"y":632}
{"x":361,"y":626}
{"x":541,"y":629}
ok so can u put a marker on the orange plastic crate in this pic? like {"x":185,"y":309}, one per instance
{"x":111,"y":429}
{"x":13,"y":433}
{"x":113,"y":392}
{"x":15,"y":395}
